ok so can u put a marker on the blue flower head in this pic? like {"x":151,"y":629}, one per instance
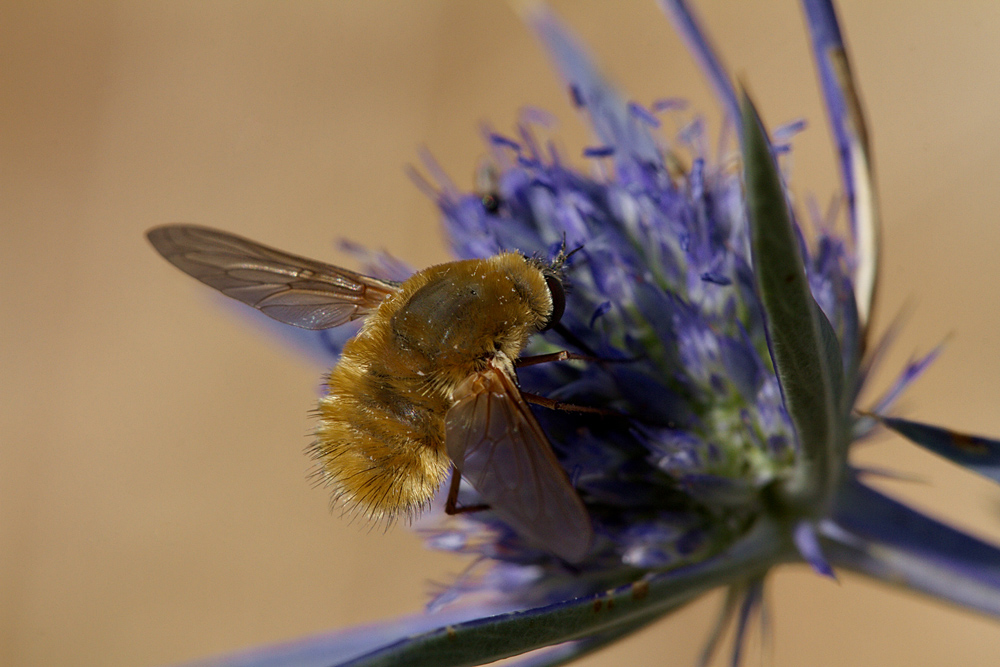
{"x":730,"y":342}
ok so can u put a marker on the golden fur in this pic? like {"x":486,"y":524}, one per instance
{"x":380,"y":442}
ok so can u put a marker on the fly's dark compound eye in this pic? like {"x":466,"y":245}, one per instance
{"x":558,"y":301}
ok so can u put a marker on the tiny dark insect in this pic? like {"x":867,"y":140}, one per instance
{"x":488,"y":187}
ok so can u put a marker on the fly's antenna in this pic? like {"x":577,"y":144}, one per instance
{"x":556,"y":268}
{"x":562,"y":256}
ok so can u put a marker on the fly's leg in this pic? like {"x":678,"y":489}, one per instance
{"x":562,"y":355}
{"x":571,"y":338}
{"x":553,"y":404}
{"x":451,"y":504}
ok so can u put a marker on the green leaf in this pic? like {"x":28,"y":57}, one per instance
{"x":615,"y":612}
{"x":840,"y":382}
{"x":803,"y":348}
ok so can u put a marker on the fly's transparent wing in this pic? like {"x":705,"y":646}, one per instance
{"x":291,"y":289}
{"x":500,"y":449}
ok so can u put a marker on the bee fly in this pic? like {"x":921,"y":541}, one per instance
{"x":426,"y":387}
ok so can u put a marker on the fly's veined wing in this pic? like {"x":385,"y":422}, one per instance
{"x":291,"y":289}
{"x":500,"y":449}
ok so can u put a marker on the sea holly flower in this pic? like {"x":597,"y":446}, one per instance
{"x":733,"y":340}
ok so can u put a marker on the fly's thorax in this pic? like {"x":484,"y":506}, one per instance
{"x":463,"y":313}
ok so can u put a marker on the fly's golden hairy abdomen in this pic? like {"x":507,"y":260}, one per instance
{"x":380,"y":444}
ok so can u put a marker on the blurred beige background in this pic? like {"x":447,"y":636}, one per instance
{"x":154,"y":506}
